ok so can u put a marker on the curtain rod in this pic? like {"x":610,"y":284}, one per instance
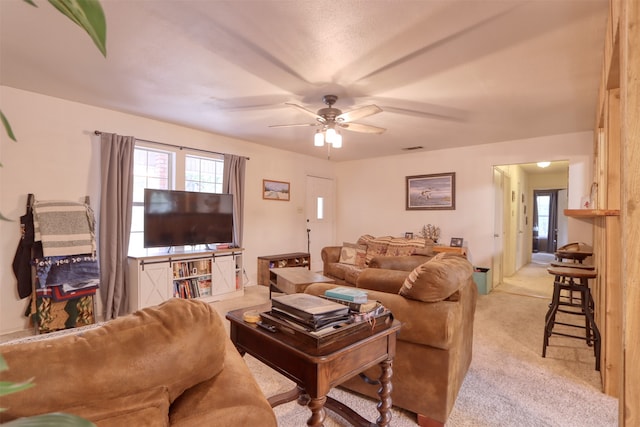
{"x":98,"y":132}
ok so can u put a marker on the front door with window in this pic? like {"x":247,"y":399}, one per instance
{"x":320,"y":217}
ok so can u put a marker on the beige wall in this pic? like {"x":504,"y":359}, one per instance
{"x":57,"y":158}
{"x":371,"y":193}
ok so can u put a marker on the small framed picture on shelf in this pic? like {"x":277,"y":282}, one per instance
{"x":408,"y":235}
{"x":456,"y":242}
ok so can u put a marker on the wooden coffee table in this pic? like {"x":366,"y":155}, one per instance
{"x":293,"y":280}
{"x":316,"y":371}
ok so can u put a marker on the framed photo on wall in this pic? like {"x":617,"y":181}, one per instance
{"x":430,"y":192}
{"x":276,"y":190}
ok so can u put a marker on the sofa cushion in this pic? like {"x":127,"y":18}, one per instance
{"x":149,"y":408}
{"x":176,"y":344}
{"x":236,"y":397}
{"x":437,"y":279}
{"x":353,"y":254}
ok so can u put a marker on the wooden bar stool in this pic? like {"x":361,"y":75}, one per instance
{"x":571,"y":265}
{"x":572,"y":280}
{"x":574,"y":252}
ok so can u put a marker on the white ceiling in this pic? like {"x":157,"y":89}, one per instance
{"x":446,"y":73}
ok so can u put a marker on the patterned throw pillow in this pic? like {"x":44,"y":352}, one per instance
{"x":403,"y":247}
{"x":377,"y":247}
{"x":353,"y":254}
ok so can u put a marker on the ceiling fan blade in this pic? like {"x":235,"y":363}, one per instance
{"x":359,"y":127}
{"x":293,"y":125}
{"x":309,"y":112}
{"x":359,"y":113}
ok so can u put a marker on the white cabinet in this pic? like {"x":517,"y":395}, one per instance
{"x":208,"y":276}
{"x":224,"y":278}
{"x":157,"y":285}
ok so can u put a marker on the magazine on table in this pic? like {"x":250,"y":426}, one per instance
{"x":308,"y":307}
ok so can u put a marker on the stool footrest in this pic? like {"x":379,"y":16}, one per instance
{"x":572,"y":336}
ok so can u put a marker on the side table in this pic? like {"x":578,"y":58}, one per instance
{"x":316,"y":371}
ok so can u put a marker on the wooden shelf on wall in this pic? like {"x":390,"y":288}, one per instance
{"x":591,"y":213}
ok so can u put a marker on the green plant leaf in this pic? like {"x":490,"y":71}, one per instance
{"x":89,"y":15}
{"x":50,"y":420}
{"x":9,"y":388}
{"x":31,"y":3}
{"x":7,"y":126}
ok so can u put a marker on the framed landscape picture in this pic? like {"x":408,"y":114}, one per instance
{"x":275,"y":190}
{"x":429,"y":192}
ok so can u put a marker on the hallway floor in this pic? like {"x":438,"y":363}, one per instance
{"x":531,"y":280}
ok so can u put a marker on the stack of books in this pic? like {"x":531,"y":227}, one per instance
{"x":356,"y":299}
{"x":320,"y":322}
{"x":311,"y":312}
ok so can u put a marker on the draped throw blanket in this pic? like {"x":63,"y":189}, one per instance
{"x":71,"y":272}
{"x":64,"y":228}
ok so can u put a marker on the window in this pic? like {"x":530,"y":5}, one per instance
{"x":543,"y":203}
{"x":169,"y":170}
{"x":151,"y":169}
{"x":320,"y":208}
{"x":203,"y":174}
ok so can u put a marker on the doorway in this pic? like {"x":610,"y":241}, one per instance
{"x":545,"y":221}
{"x":320,"y":211}
{"x":528,"y":197}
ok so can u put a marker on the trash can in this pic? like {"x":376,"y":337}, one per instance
{"x":482,"y":277}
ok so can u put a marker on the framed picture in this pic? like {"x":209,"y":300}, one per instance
{"x":275,"y":190}
{"x":456,"y":242}
{"x":428,"y":192}
{"x":408,"y":235}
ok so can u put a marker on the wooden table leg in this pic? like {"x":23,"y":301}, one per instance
{"x":384,"y":406}
{"x":317,"y":412}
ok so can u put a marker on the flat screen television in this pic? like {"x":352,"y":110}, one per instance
{"x":177,"y":218}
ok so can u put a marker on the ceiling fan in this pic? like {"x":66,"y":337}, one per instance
{"x":333,"y":118}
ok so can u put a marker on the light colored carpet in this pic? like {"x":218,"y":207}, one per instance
{"x":508,"y":383}
{"x":531,"y":280}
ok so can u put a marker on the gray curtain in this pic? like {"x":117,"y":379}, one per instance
{"x":233,"y":183}
{"x":116,"y":197}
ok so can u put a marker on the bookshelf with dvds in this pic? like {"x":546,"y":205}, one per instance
{"x":205,"y":275}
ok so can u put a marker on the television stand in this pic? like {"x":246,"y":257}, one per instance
{"x":203,"y":274}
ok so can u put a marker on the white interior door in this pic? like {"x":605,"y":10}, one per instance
{"x":320,"y":211}
{"x":498,"y":228}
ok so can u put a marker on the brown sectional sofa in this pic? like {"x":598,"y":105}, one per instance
{"x":435,"y":299}
{"x":345,"y":263}
{"x":169,"y":365}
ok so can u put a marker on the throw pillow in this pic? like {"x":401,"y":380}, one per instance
{"x":377,"y":247}
{"x":437,"y":279}
{"x":353,"y":254}
{"x":404,"y":247}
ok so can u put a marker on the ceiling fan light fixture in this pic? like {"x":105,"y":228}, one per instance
{"x":330,"y":135}
{"x":337,"y":141}
{"x":318,"y":139}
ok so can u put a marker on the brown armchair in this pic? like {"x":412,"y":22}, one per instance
{"x":435,"y":343}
